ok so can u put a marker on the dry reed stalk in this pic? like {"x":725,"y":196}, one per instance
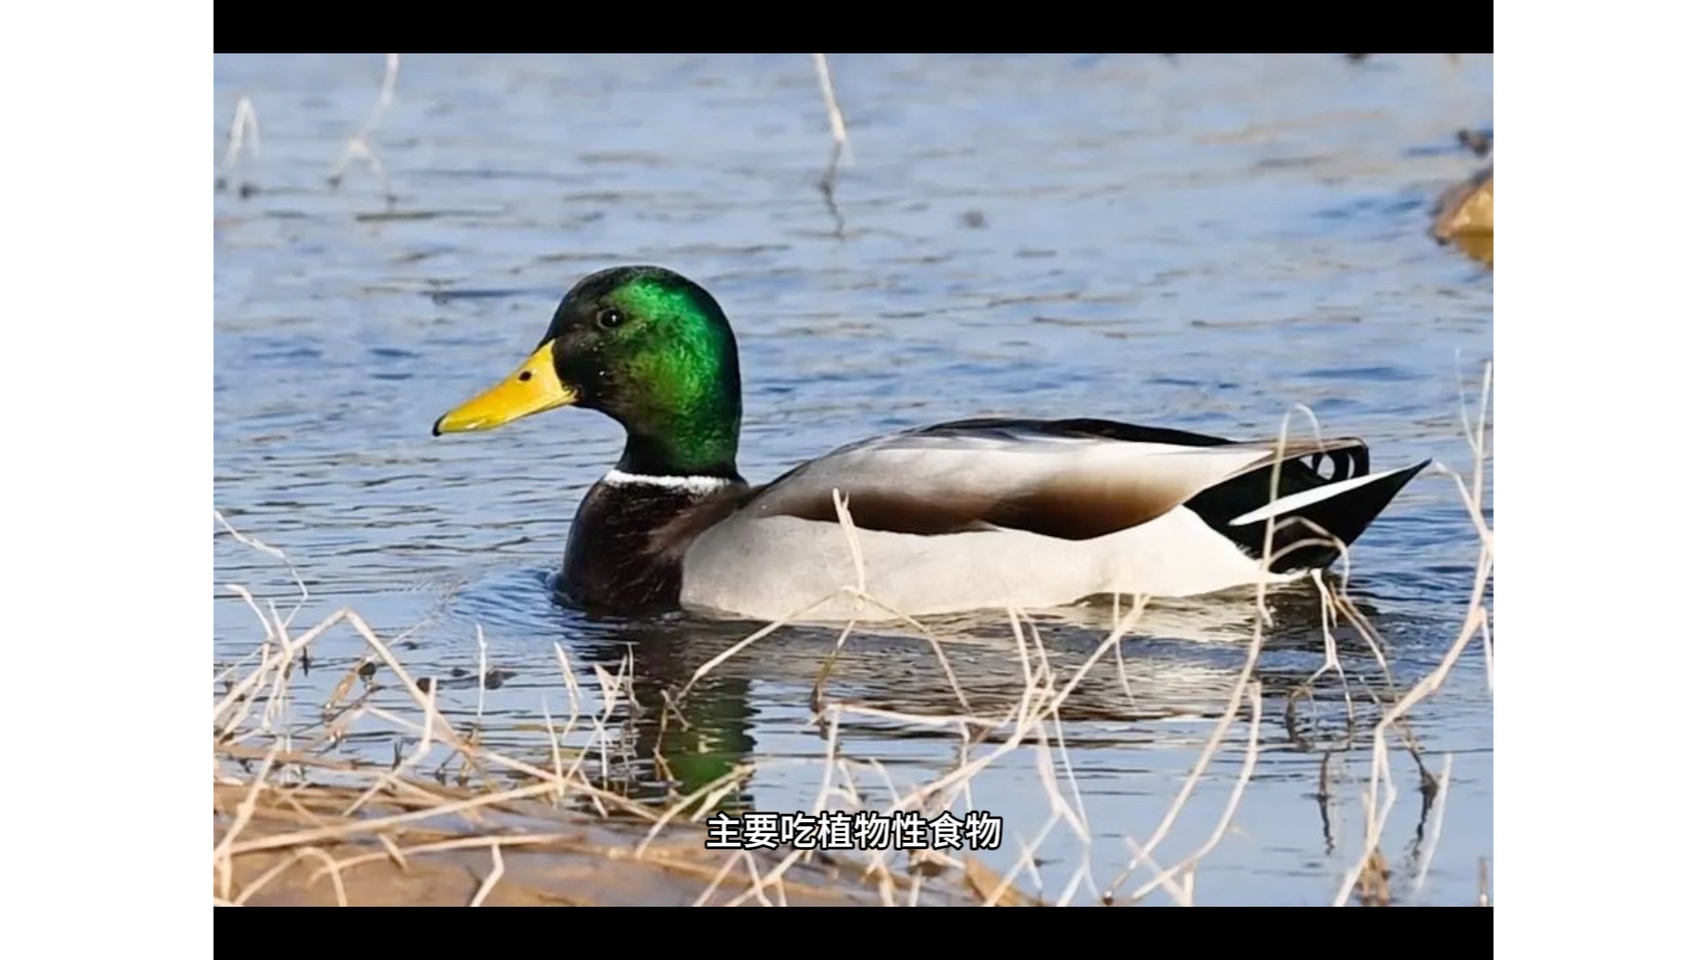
{"x":470,"y":754}
{"x":270,"y":874}
{"x":491,"y":878}
{"x":964,"y":773}
{"x":845,"y":521}
{"x":820,"y":803}
{"x":245,"y":131}
{"x":581,"y":788}
{"x":240,"y":752}
{"x":1189,"y":864}
{"x":1143,"y":855}
{"x":434,"y":722}
{"x":280,"y":649}
{"x":270,"y":664}
{"x":1023,"y":725}
{"x":556,"y":747}
{"x":1426,"y":857}
{"x":1204,"y":757}
{"x":276,"y":653}
{"x":1474,"y":625}
{"x":340,"y":831}
{"x":569,"y":684}
{"x":706,"y":797}
{"x":401,"y":855}
{"x":223,"y":851}
{"x":272,"y":551}
{"x":359,"y":146}
{"x":861,"y":598}
{"x":838,"y":134}
{"x":480,"y":680}
{"x":716,"y":881}
{"x":838,"y":125}
{"x":918,"y":799}
{"x":922,"y":719}
{"x":1120,"y":662}
{"x":1074,"y":812}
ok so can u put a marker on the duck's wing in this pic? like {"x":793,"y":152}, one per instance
{"x":1072,"y":479}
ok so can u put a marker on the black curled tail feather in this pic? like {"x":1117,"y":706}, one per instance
{"x":1304,"y":537}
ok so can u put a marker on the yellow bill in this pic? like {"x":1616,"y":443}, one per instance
{"x":532,"y":388}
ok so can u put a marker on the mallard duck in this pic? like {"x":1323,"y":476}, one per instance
{"x":951,"y":518}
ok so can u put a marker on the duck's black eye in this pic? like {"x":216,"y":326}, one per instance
{"x":610,"y":318}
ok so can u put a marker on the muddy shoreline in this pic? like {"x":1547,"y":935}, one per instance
{"x":299,"y":846}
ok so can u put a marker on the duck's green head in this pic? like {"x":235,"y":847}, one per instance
{"x":644,"y":345}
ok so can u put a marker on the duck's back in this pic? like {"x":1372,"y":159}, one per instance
{"x":993,"y":512}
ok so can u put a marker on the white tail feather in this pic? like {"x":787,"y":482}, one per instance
{"x":1304,"y":499}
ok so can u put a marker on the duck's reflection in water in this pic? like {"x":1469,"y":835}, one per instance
{"x":1180,"y":660}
